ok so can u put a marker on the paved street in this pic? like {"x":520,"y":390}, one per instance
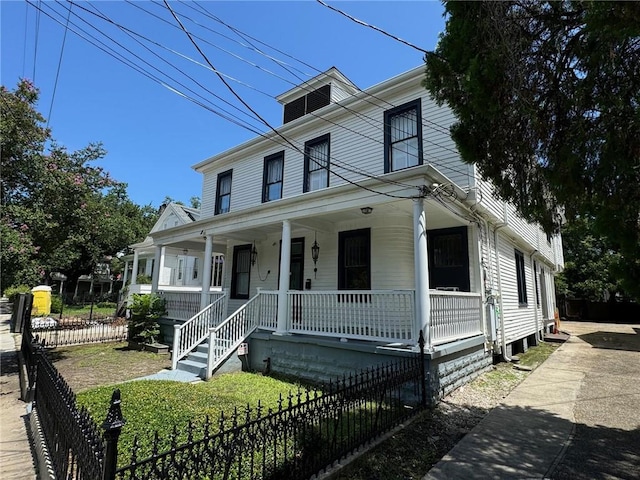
{"x":606,"y":440}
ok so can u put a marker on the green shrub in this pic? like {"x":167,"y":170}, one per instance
{"x":145,"y":312}
{"x":143,"y":279}
{"x":14,"y":290}
{"x":56,"y":304}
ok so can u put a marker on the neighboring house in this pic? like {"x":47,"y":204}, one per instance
{"x":383,"y":234}
{"x":180,"y":267}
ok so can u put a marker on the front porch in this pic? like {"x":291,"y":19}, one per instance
{"x":382,"y":318}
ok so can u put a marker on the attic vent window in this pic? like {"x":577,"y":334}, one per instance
{"x":311,"y":102}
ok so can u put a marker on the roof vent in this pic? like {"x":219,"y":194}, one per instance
{"x":308,"y":103}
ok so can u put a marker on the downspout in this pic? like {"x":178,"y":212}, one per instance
{"x":505,"y":357}
{"x":535,"y":289}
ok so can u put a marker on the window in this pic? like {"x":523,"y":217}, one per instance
{"x":354,"y":260}
{"x":535,"y":277}
{"x":403,"y":137}
{"x":272,"y":177}
{"x":195,"y":268}
{"x":180,"y":267}
{"x":449,"y":259}
{"x":522,"y":281}
{"x":241,"y":271}
{"x":223,"y":192}
{"x":316,"y":164}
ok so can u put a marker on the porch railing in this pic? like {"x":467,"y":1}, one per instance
{"x":190,"y":334}
{"x":454,"y":315}
{"x":226,"y":337}
{"x":359,"y":314}
{"x":185,"y":305}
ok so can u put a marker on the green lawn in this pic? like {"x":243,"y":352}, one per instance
{"x":151,"y":405}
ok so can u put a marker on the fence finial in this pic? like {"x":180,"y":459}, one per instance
{"x":112,"y":425}
{"x":114,"y":415}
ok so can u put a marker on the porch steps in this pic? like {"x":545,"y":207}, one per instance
{"x":196,"y":361}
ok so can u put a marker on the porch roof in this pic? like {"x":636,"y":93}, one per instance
{"x":321,"y":210}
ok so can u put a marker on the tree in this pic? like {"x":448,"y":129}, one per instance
{"x":59,"y":212}
{"x":547,"y":100}
{"x":591,"y":264}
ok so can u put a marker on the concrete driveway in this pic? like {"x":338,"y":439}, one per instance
{"x":606,"y":439}
{"x":576,"y":417}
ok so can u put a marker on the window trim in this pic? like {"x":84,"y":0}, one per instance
{"x":234,"y":287}
{"x":521,"y":279}
{"x":222,"y":176}
{"x":414,"y":104}
{"x":267,"y":160}
{"x":307,"y":159}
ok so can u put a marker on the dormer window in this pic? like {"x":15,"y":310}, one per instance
{"x":308,"y":103}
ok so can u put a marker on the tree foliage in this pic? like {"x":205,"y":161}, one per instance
{"x":60,"y":212}
{"x":591,"y":263}
{"x":547,"y":99}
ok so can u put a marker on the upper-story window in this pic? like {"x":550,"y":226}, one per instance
{"x":272,"y":177}
{"x":521,"y":279}
{"x":316,"y":163}
{"x":223,"y":192}
{"x":403,"y":136}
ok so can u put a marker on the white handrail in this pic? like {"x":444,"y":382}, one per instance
{"x":190,"y":334}
{"x":228,"y":335}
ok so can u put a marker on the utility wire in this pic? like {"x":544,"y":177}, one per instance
{"x":336,"y":162}
{"x":230,"y":88}
{"x":35,"y":46}
{"x":106,"y":49}
{"x":369,"y":120}
{"x":55,"y":84}
{"x":377,"y":29}
{"x":133,"y":34}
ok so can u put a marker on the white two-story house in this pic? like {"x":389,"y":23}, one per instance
{"x":353,"y":231}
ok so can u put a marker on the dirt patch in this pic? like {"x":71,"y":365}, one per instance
{"x":89,"y":366}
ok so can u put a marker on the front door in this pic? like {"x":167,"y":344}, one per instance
{"x":296,"y":279}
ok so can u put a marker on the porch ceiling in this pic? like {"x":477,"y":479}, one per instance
{"x":438,"y":216}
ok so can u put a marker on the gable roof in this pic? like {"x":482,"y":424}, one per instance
{"x":173,"y":215}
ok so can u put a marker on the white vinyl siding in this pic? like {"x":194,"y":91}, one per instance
{"x":351,"y":152}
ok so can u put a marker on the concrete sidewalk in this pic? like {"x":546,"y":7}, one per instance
{"x":16,"y":461}
{"x":537,"y":431}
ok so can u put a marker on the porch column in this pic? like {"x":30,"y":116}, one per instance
{"x":206,"y":271}
{"x":155,"y":273}
{"x":283,"y":287}
{"x":125,"y":276}
{"x":134,"y":270}
{"x":423,"y":303}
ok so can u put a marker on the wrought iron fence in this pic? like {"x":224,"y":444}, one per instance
{"x":305,"y":434}
{"x":75,"y":443}
{"x":308,"y":431}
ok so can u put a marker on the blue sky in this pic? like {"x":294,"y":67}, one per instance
{"x":152,"y":134}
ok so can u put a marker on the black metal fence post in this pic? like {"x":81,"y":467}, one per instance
{"x":113,"y":426}
{"x":423,"y":379}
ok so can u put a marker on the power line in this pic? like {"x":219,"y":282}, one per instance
{"x":55,"y":84}
{"x":337,"y":163}
{"x":377,"y":29}
{"x":35,"y":46}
